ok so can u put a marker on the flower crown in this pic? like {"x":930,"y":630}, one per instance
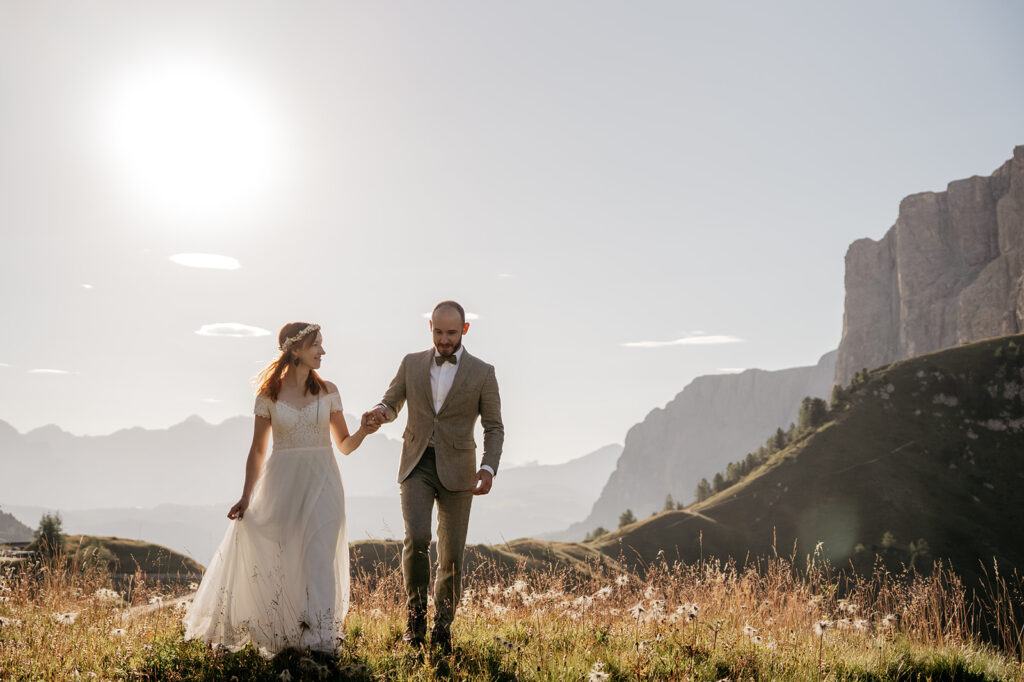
{"x":290,"y":341}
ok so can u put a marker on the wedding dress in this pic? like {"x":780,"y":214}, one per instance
{"x":280,"y":577}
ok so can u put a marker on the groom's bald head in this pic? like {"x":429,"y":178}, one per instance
{"x":451,"y":305}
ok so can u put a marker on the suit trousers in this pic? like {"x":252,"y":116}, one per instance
{"x":419,"y":491}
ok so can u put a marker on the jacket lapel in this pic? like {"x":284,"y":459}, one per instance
{"x":423,"y":374}
{"x":461,"y":370}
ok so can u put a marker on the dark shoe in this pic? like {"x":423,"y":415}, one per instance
{"x":416,"y":632}
{"x":441,"y":639}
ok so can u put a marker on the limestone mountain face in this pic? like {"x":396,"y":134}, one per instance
{"x":716,"y":419}
{"x":948,"y":272}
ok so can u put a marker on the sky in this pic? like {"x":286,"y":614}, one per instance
{"x":624,"y":195}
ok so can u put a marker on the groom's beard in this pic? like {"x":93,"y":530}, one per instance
{"x":453,"y":351}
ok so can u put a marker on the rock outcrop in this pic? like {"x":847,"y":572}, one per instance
{"x":716,"y":419}
{"x":948,"y":272}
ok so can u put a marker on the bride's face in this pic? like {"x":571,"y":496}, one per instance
{"x":310,"y":355}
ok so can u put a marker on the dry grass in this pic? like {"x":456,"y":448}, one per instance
{"x":705,"y":621}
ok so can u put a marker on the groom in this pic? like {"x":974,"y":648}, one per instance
{"x":446,"y":389}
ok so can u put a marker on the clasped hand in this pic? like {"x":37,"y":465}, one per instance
{"x":372,"y":419}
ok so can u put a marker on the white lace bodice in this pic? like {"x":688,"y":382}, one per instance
{"x":299,"y":427}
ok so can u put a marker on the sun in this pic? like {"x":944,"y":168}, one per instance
{"x":190,"y":137}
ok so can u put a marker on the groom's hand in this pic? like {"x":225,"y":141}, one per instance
{"x":483,"y":482}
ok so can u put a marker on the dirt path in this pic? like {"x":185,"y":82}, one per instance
{"x":136,"y":611}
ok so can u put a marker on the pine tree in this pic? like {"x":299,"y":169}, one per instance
{"x":669,"y":503}
{"x":703,"y":490}
{"x":49,"y":537}
{"x":627,"y":517}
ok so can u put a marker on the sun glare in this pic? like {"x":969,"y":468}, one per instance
{"x":191,"y":138}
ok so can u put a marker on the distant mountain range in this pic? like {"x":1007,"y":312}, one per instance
{"x":173,"y":486}
{"x":924,"y":460}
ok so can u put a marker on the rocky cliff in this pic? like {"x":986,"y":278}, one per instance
{"x":714,"y":420}
{"x":948,"y":272}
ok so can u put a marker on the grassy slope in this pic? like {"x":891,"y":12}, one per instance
{"x":122,"y":556}
{"x":573,"y":560}
{"x":896,"y":459}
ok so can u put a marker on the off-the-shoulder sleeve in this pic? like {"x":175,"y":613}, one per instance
{"x":335,"y":401}
{"x":262,"y":406}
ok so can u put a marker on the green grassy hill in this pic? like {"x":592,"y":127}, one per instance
{"x":924,"y":460}
{"x":123,"y":556}
{"x":572,"y":561}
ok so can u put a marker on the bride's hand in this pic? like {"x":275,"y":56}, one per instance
{"x":238,"y":511}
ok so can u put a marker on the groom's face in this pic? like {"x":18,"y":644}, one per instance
{"x":447,"y":328}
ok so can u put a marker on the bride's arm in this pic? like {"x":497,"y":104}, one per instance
{"x":345,"y":441}
{"x":253,"y":464}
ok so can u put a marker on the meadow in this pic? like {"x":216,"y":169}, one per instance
{"x":778,"y":619}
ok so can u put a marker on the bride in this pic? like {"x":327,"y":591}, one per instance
{"x":280,"y":576}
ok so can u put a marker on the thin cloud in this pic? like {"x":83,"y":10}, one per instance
{"x":232,"y":329}
{"x":88,"y":286}
{"x":51,"y":371}
{"x":695,"y":340}
{"x":206,"y":260}
{"x":4,"y":364}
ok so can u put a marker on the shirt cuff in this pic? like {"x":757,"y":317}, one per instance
{"x":487,"y":469}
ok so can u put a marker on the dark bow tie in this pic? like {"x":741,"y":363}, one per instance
{"x":441,"y":359}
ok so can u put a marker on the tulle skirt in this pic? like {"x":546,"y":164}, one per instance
{"x":280,"y":577}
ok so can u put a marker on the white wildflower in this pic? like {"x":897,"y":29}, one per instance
{"x":749,"y":631}
{"x":9,"y":622}
{"x":597,"y":673}
{"x":622,"y":580}
{"x":193,"y":586}
{"x":649,"y":592}
{"x":107,"y":594}
{"x":889,"y":620}
{"x":66,"y":618}
{"x":118,"y":632}
{"x":604,"y":592}
{"x":494,"y":589}
{"x":637,"y":610}
{"x":820,"y":626}
{"x":688,"y":611}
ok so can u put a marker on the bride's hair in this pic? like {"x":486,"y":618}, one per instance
{"x":269,"y":380}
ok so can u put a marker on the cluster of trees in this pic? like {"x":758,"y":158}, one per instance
{"x":814,"y":412}
{"x":627,"y":517}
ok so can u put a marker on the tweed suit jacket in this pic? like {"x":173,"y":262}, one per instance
{"x":474,"y":393}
